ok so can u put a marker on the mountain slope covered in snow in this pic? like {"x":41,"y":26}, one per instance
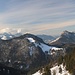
{"x":56,"y":70}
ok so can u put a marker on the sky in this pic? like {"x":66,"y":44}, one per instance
{"x":50,"y":17}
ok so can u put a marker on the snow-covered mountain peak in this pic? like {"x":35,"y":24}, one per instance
{"x":8,"y":33}
{"x":6,"y":36}
{"x":65,"y":32}
{"x":65,"y":38}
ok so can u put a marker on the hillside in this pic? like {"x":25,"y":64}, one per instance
{"x":26,"y":52}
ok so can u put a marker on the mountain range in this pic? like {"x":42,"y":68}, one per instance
{"x":7,"y":36}
{"x":28,"y":51}
{"x":66,"y":37}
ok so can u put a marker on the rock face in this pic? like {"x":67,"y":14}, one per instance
{"x":65,"y":38}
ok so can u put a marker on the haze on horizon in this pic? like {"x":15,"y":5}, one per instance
{"x":37,"y":16}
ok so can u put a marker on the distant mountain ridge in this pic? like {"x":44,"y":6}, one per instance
{"x":65,"y":38}
{"x":7,"y":36}
{"x":47,"y":38}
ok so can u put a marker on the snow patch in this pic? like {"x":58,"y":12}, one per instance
{"x":21,"y":67}
{"x":45,"y":47}
{"x":31,"y":50}
{"x":55,"y":48}
{"x":37,"y":73}
{"x":10,"y":36}
{"x":56,"y":70}
{"x":9,"y":61}
{"x":56,"y":39}
{"x":31,"y":39}
{"x":4,"y":38}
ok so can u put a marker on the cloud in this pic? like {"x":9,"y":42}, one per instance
{"x":37,"y":9}
{"x":9,"y":30}
{"x":37,"y":15}
{"x":44,"y":27}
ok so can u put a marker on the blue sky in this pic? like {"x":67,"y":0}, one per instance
{"x":37,"y":16}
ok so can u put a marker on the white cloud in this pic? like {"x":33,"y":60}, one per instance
{"x":44,"y":27}
{"x":9,"y":30}
{"x":38,"y":14}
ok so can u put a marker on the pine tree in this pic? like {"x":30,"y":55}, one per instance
{"x":47,"y":71}
{"x":60,"y":60}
